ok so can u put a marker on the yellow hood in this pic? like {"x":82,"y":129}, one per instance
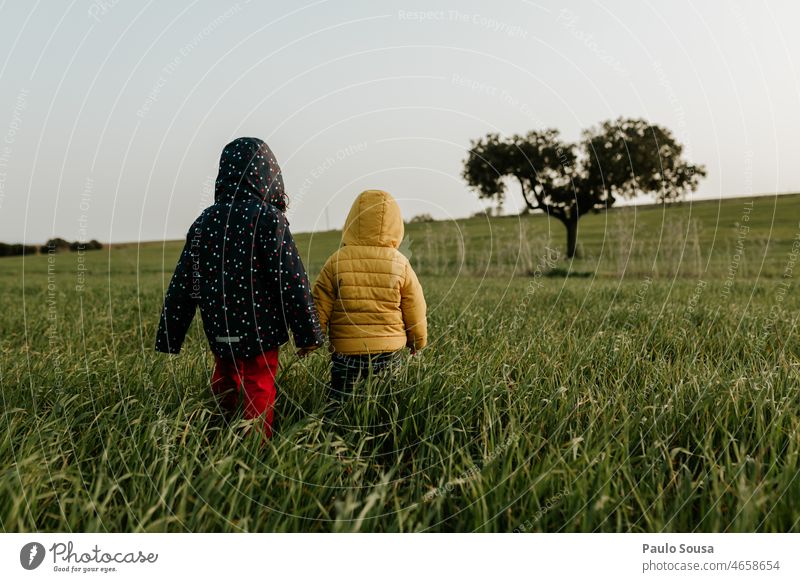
{"x":374,"y":220}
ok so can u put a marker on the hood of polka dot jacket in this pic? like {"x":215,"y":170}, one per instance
{"x":240,"y":265}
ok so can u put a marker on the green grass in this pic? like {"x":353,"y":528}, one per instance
{"x":649,"y":385}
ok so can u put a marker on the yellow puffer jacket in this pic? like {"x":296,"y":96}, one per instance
{"x":368,"y":297}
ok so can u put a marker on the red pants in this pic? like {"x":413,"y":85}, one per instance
{"x":254,"y":379}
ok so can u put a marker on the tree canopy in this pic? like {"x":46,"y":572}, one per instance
{"x":616,"y":159}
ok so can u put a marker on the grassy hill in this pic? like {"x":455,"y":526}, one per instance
{"x":687,"y":239}
{"x":648,"y":385}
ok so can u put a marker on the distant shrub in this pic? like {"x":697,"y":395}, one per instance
{"x":487,"y":212}
{"x":92,"y":245}
{"x":16,"y":250}
{"x":55,"y":245}
{"x":423,"y":218}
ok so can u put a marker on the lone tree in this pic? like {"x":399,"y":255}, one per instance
{"x":616,"y":159}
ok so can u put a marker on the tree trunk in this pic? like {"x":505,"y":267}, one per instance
{"x":572,"y":236}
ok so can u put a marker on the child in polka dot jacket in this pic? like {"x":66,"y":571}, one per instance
{"x":240,"y":265}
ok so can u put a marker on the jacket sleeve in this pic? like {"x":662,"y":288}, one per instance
{"x":412,"y":304}
{"x":295,"y":292}
{"x":324,"y":292}
{"x":180,"y":304}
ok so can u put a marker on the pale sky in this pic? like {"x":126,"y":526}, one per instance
{"x":113,"y":113}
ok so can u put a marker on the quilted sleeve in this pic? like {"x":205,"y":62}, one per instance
{"x":412,"y":304}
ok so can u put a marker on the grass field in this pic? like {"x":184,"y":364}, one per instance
{"x":649,"y":385}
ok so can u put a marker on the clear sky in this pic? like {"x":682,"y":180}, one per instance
{"x":113,"y":112}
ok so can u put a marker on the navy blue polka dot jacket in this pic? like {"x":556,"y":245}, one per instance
{"x":240,"y":265}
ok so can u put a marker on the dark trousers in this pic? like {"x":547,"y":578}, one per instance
{"x":346,"y":370}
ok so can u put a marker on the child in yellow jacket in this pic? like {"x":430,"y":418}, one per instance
{"x":368,"y":297}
